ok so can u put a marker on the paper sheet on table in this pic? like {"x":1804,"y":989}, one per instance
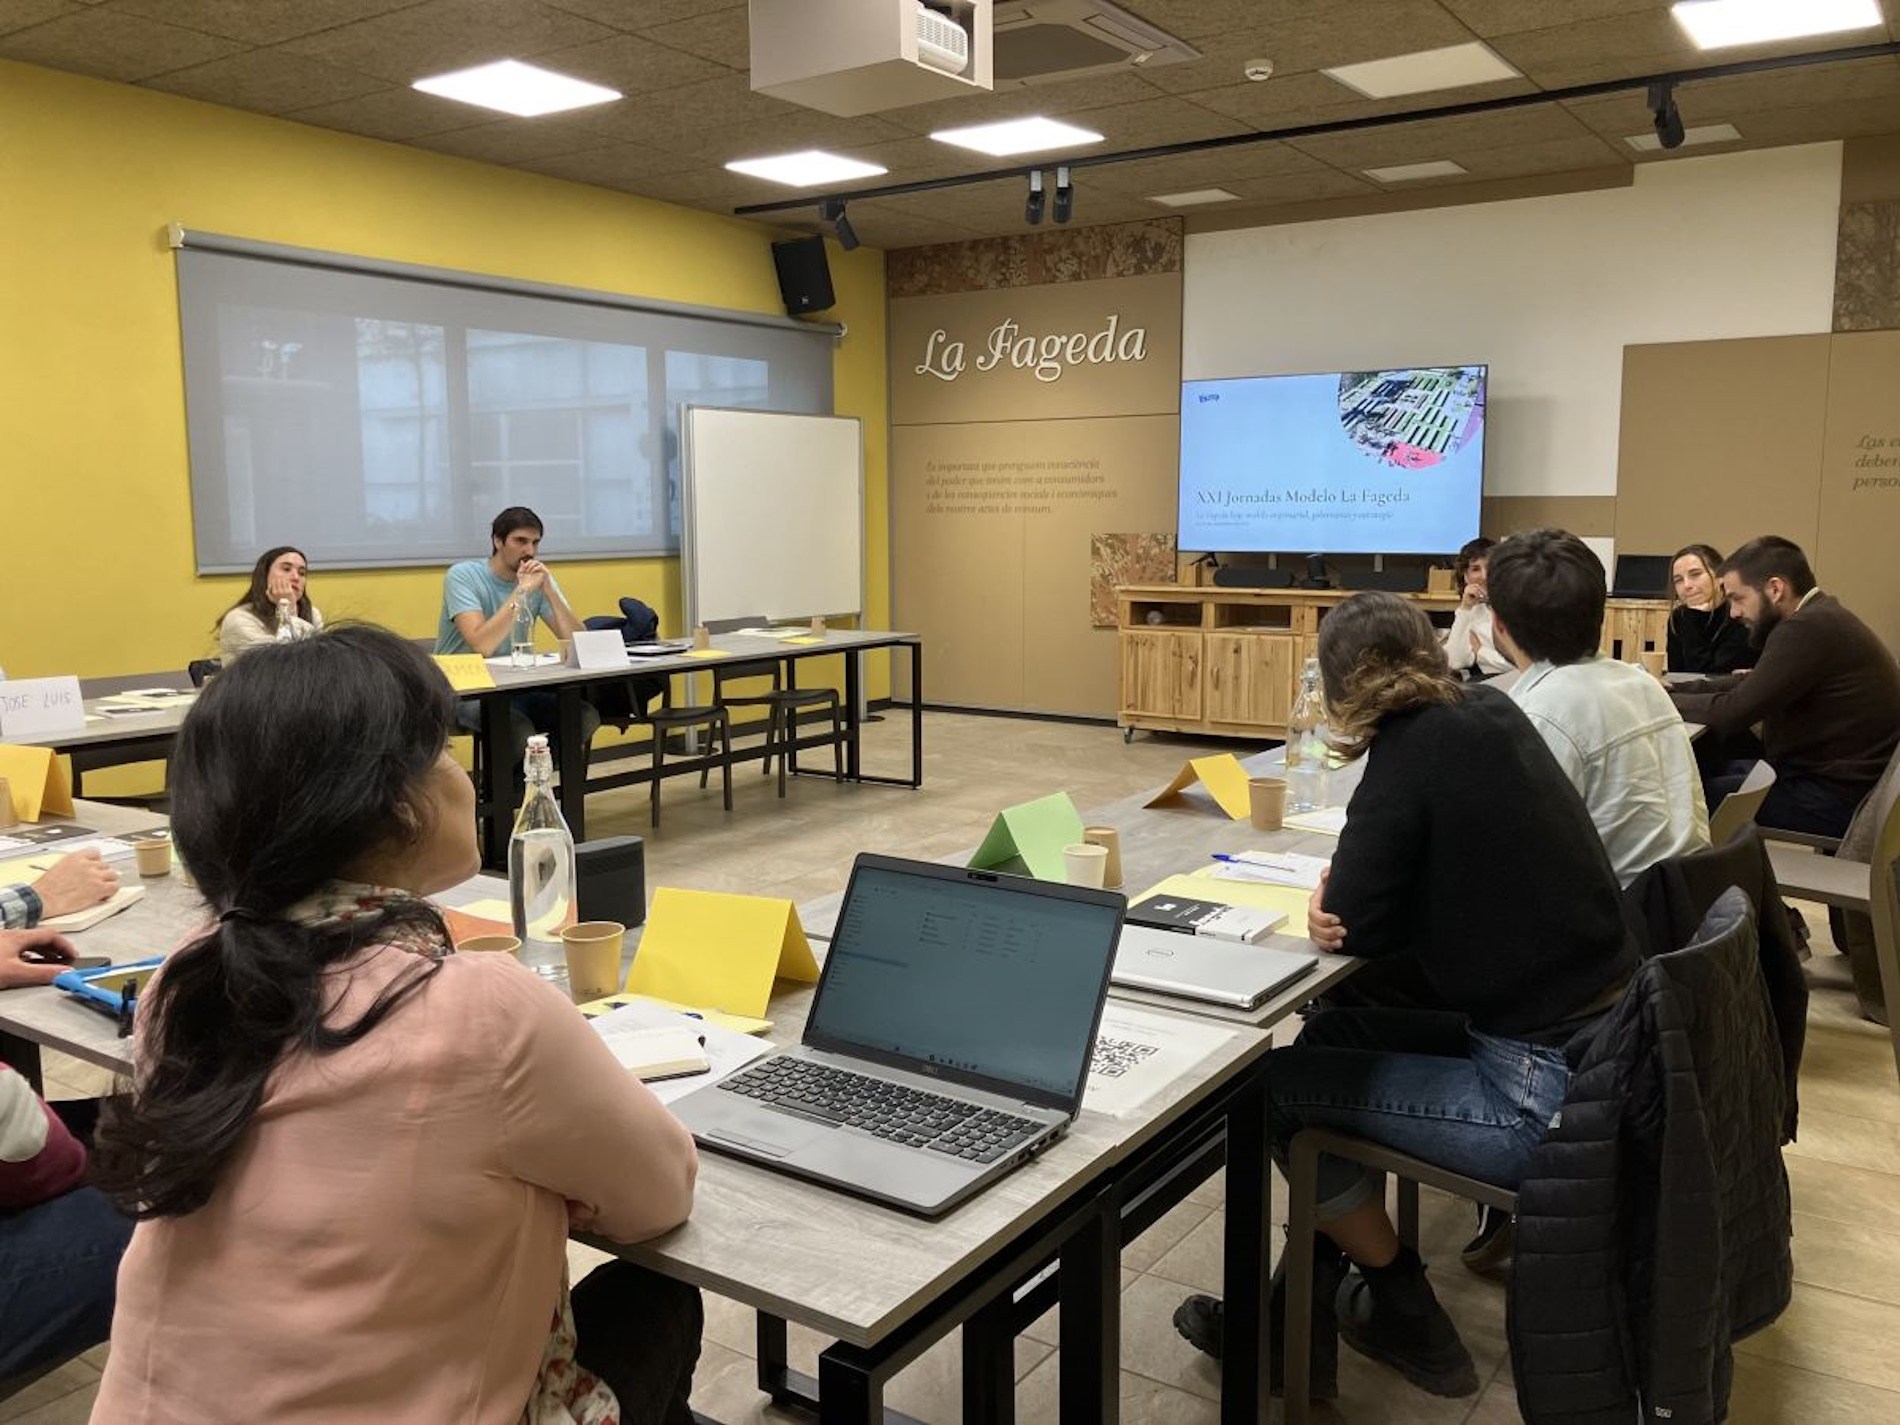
{"x":1328,"y":821}
{"x":737,"y":1023}
{"x":1138,"y":1054}
{"x":1201,"y":885}
{"x":719,"y":950}
{"x":36,"y":777}
{"x":708,"y":653}
{"x":1027,"y":839}
{"x":726,"y":1049}
{"x":1221,"y":774}
{"x":1271,"y":868}
{"x":541,"y":660}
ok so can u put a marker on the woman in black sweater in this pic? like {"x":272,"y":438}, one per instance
{"x":1702,"y":637}
{"x":1467,"y":852}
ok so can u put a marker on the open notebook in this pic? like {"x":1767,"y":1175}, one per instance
{"x":85,"y":919}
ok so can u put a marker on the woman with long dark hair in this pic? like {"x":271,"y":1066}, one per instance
{"x":355,"y":1156}
{"x":1702,"y":636}
{"x":278,"y":598}
{"x":1467,"y":853}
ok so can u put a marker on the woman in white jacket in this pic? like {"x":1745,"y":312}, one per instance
{"x":1469,"y":646}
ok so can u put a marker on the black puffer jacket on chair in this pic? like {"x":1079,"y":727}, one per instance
{"x":1653,"y":1225}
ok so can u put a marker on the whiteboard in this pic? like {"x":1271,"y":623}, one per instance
{"x":771,"y":515}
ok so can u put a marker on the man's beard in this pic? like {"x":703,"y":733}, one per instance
{"x":1763,"y":626}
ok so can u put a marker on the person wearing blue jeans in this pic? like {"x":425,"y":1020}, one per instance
{"x":1470,"y":867}
{"x":60,"y":1240}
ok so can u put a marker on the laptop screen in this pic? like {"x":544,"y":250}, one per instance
{"x":1642,"y":576}
{"x":995,"y":979}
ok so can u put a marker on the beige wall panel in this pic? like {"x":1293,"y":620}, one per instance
{"x":956,"y":579}
{"x":1721,"y":441}
{"x":1116,"y":348}
{"x":990,"y":551}
{"x":1580,"y":514}
{"x":1854,"y":556}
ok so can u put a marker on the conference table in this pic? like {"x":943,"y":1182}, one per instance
{"x":124,"y":735}
{"x":885,"y":1286}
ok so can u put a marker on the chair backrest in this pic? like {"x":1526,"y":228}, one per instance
{"x":1739,"y":807}
{"x":1883,"y":905}
{"x":203,"y":670}
{"x":733,"y":625}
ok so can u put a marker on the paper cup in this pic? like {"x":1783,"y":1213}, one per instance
{"x":593,"y":958}
{"x":1086,"y":864}
{"x":1110,"y":840}
{"x":1266,"y":801}
{"x":702,"y":637}
{"x":506,"y":944}
{"x":1655,"y":662}
{"x":154,"y":856}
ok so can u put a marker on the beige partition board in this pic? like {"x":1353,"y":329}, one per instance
{"x":1854,"y":556}
{"x":1721,"y":441}
{"x":1583,"y":515}
{"x":991,"y":527}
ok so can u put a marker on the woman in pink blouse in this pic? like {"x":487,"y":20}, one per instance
{"x":354,"y":1154}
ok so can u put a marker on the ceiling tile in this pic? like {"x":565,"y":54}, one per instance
{"x":1510,"y":17}
{"x":1153,"y":122}
{"x":1300,"y":99}
{"x":1299,"y":187}
{"x":268,"y":81}
{"x":516,"y":140}
{"x":396,"y":114}
{"x":680,"y":115}
{"x":722,"y":36}
{"x":1857,"y":118}
{"x":639,"y":14}
{"x":1219,"y":168}
{"x":619,"y":166}
{"x":632,"y":65}
{"x":1562,"y":155}
{"x":443,"y":35}
{"x":1202,"y":19}
{"x":1317,"y":39}
{"x":1441,"y":138}
{"x":257,"y":22}
{"x":20,"y":14}
{"x":1065,"y":97}
{"x":110,"y":46}
{"x":878,"y":226}
{"x":1622,"y":47}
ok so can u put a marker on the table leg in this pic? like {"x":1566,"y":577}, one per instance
{"x":498,"y":765}
{"x":917,"y":714}
{"x":1089,"y":1366}
{"x":854,"y":719}
{"x":1243,"y":1396}
{"x":573,"y":753}
{"x":24,"y":1057}
{"x":989,"y":1365}
{"x":848,"y":1392}
{"x":771,"y":1349}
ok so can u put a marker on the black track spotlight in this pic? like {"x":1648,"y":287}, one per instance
{"x":1065,"y":196}
{"x":1662,"y":100}
{"x":1032,"y":206}
{"x":832,"y":211}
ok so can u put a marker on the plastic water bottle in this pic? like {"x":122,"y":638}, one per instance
{"x":286,"y":625}
{"x":1306,"y":750}
{"x":541,"y":886}
{"x":521,"y":645}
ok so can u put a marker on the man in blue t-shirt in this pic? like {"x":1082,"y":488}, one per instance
{"x":480,"y":598}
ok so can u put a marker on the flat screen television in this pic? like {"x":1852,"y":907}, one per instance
{"x":1345,"y":462}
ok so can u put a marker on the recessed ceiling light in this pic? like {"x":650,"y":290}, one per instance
{"x":516,"y":88}
{"x":1451,"y":68}
{"x":1707,"y":133}
{"x":1013,"y":136}
{"x":1717,"y":24}
{"x":1407,"y":172}
{"x":806,"y":169}
{"x":1189,"y":199}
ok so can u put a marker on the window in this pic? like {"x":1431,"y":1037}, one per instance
{"x":376,"y":419}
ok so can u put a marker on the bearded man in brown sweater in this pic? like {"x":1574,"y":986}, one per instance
{"x":1825,"y":690}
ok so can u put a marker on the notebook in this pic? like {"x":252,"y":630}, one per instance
{"x":948,"y":1042}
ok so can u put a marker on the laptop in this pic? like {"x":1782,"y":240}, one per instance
{"x":948,"y":1042}
{"x":1200,"y":967}
{"x":1642,"y":576}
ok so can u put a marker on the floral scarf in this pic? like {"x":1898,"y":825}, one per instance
{"x":564,"y":1393}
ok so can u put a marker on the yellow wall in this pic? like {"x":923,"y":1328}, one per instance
{"x":98,"y":572}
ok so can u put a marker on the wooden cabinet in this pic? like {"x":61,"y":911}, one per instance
{"x":1228,"y":661}
{"x":1250,"y":678}
{"x":1161,"y":674}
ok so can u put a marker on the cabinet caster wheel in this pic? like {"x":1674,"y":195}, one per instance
{"x":1128,"y":735}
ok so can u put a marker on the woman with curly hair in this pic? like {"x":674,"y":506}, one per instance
{"x":1468,"y":853}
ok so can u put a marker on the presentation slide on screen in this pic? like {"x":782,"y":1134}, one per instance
{"x":1355,"y":462}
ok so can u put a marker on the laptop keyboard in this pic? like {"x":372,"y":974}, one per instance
{"x":911,"y":1117}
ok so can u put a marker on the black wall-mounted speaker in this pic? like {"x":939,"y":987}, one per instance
{"x":804,"y":275}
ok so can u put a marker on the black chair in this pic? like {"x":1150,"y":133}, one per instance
{"x":203,"y":670}
{"x":713,"y":718}
{"x":783,"y":703}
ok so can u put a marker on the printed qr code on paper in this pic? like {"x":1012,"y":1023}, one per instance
{"x":1115,"y":1057}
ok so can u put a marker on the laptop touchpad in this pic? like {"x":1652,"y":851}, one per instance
{"x":776,"y":1135}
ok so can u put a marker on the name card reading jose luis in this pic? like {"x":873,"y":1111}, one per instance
{"x":36,"y":707}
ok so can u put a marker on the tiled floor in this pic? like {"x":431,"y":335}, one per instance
{"x":1829,"y":1357}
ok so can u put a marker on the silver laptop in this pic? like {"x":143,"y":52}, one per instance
{"x":1200,"y":967}
{"x":949,"y":1040}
